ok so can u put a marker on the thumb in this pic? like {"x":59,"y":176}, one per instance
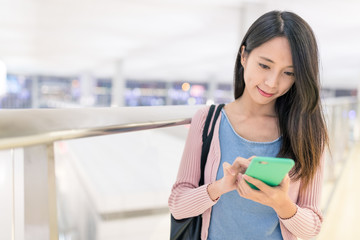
{"x":285,"y":182}
{"x":227,"y":167}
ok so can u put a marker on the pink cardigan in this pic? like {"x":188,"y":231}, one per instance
{"x":187,"y":199}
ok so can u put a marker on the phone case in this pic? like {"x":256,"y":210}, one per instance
{"x":270,"y":170}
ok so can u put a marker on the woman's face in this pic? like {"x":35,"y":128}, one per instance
{"x":268,"y":70}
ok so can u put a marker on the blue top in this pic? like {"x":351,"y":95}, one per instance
{"x":234,"y":217}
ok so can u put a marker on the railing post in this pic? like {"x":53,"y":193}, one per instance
{"x":40,"y":193}
{"x":18,"y":193}
{"x":6,"y":195}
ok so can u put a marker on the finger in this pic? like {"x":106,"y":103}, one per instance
{"x":285,"y":182}
{"x":251,"y":193}
{"x":241,"y":188}
{"x":245,"y":189}
{"x":240,"y":164}
{"x":251,"y":158}
{"x":286,"y":178}
{"x":239,"y":161}
{"x":247,"y":162}
{"x":239,"y":177}
{"x":259,"y":184}
{"x":227,"y":167}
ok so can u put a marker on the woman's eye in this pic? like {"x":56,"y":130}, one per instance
{"x":291,"y":74}
{"x":264,"y":66}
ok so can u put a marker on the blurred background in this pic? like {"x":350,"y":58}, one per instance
{"x":118,"y":53}
{"x":131,"y":53}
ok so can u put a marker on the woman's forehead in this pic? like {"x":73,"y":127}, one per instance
{"x":276,"y":50}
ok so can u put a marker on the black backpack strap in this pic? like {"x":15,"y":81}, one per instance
{"x":208,"y":137}
{"x":207,"y":122}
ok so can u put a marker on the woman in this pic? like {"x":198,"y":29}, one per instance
{"x":276,"y":112}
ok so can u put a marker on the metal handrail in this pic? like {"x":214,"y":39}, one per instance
{"x":26,"y":127}
{"x":21,"y":128}
{"x":43,"y":138}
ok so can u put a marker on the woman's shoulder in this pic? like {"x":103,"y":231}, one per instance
{"x":203,"y":112}
{"x":200,"y":114}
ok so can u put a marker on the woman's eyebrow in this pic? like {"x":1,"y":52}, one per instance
{"x":269,"y":60}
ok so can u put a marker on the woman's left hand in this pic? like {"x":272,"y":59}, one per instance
{"x":275,"y":197}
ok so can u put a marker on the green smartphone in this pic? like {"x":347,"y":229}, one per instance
{"x":270,"y":170}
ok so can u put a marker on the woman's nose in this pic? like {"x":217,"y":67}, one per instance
{"x":272,"y":80}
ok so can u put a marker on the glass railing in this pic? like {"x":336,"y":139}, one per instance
{"x":69,"y":174}
{"x":29,"y":141}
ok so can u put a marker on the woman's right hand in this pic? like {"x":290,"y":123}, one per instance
{"x":232,"y":174}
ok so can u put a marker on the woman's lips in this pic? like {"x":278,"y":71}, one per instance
{"x":265,"y":94}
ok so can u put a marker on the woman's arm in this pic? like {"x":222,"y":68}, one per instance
{"x":306,"y":223}
{"x":187,"y":199}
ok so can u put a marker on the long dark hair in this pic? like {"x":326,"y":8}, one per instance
{"x":302,"y":125}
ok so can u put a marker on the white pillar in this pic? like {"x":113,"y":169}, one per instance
{"x":27,"y":194}
{"x":118,"y":86}
{"x":87,"y":85}
{"x":357,"y":123}
{"x":212,"y":85}
{"x":6,"y":195}
{"x":3,"y":78}
{"x":35,"y":92}
{"x":168,"y":97}
{"x":19,"y":197}
{"x":40,"y":209}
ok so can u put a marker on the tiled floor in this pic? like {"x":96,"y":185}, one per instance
{"x":341,"y":218}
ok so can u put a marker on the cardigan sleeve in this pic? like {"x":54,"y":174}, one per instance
{"x":187,"y":199}
{"x":306,"y":223}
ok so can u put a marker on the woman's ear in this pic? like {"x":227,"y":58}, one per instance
{"x":243,"y":57}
